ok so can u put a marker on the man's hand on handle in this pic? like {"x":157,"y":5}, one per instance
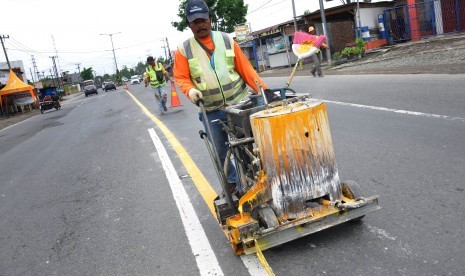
{"x":194,"y":95}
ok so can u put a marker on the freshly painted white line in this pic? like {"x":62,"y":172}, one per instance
{"x":383,"y":234}
{"x":203,"y":253}
{"x":253,"y":265}
{"x":380,"y":232}
{"x":398,"y":111}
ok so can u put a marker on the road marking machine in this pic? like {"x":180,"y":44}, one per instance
{"x":289,"y":182}
{"x":289,"y":185}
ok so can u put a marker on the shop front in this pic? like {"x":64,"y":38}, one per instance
{"x":274,"y":49}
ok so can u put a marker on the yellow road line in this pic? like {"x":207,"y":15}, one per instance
{"x":262,"y":259}
{"x":197,"y":177}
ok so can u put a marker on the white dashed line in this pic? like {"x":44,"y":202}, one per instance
{"x":398,"y":111}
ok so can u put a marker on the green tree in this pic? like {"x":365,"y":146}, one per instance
{"x":162,"y":60}
{"x":125,"y":72}
{"x":87,"y":73}
{"x":140,"y":68}
{"x":225,"y":14}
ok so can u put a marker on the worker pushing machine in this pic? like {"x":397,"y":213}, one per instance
{"x":285,"y":167}
{"x":211,"y":66}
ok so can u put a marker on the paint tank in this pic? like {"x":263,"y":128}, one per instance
{"x":297,"y":155}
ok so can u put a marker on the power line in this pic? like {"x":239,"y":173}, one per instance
{"x":268,"y":6}
{"x":259,"y":7}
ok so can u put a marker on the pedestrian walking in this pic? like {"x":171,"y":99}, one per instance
{"x":316,"y":57}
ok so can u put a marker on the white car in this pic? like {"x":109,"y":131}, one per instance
{"x":135,"y":79}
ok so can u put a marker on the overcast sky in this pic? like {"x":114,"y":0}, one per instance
{"x":76,"y":27}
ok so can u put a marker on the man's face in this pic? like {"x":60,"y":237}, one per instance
{"x":200,"y":27}
{"x":152,"y":63}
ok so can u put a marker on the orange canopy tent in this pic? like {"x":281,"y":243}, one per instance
{"x":15,"y":85}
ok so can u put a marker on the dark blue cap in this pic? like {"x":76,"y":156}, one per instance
{"x":196,"y":9}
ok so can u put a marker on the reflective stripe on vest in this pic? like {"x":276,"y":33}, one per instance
{"x":153,"y":75}
{"x":221,"y":85}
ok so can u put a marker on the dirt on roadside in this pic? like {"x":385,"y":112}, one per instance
{"x":437,"y":55}
{"x":14,"y":118}
{"x":6,"y":121}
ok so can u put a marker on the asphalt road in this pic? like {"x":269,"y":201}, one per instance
{"x":83,"y":190}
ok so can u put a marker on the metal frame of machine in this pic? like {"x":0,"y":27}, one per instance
{"x":252,"y":219}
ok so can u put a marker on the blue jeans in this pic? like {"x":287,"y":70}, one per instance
{"x":220,"y":139}
{"x":160,"y":96}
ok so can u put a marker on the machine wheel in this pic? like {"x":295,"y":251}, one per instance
{"x":351,"y":189}
{"x":267,"y":218}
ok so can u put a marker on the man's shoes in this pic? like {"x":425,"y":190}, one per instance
{"x":320,"y":76}
{"x":164,"y":108}
{"x":313,"y":73}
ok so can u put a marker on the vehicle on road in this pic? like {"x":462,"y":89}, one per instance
{"x":135,"y":79}
{"x":88,"y":82}
{"x":49,"y":102}
{"x":90,"y":89}
{"x":109,"y":85}
{"x":124,"y":79}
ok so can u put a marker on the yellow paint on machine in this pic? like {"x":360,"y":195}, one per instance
{"x":297,"y":155}
{"x":197,"y":177}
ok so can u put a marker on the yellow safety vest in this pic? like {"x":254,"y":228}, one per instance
{"x":153,"y":75}
{"x":216,"y":78}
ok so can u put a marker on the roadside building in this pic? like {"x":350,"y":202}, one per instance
{"x":343,"y":25}
{"x":271,"y":47}
{"x":17,"y":66}
{"x":414,"y":19}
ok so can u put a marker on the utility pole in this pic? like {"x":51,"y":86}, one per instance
{"x":55,"y":70}
{"x":79,"y":69}
{"x":169,"y":51}
{"x":359,"y":29}
{"x":51,"y":76}
{"x":32,"y":76}
{"x":295,"y":20}
{"x":56,"y":54}
{"x":114,"y":56}
{"x":2,"y":37}
{"x":164,"y":48}
{"x":323,"y":21}
{"x":35,"y":68}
